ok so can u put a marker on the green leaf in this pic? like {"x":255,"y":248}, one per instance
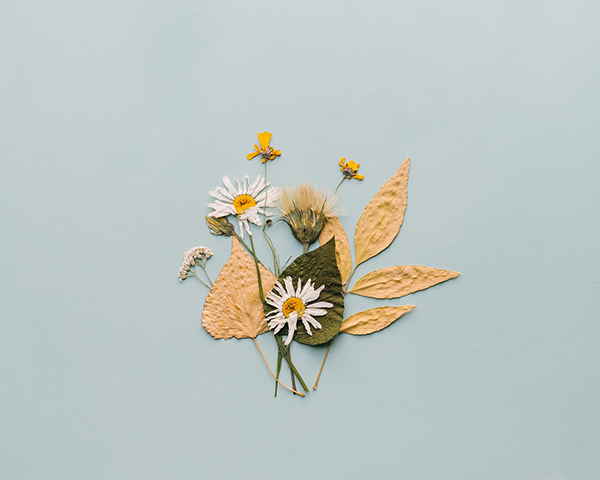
{"x":321,"y":267}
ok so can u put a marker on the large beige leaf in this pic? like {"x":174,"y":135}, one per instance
{"x":233,"y":307}
{"x":373,"y":320}
{"x":395,"y":282}
{"x":333,"y":228}
{"x":382,"y":218}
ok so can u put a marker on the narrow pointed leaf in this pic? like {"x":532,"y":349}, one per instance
{"x":373,"y":320}
{"x":321,"y":267}
{"x":233,"y":307}
{"x":395,"y":282}
{"x":382,"y":218}
{"x":333,"y":228}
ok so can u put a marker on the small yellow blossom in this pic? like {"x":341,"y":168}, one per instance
{"x":350,"y":169}
{"x":266,"y":151}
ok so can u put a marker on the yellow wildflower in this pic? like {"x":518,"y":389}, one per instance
{"x":266,"y":151}
{"x":350,"y":169}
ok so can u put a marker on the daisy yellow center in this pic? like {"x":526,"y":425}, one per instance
{"x":293,"y":304}
{"x":243,"y":203}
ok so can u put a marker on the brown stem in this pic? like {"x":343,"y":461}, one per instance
{"x":322,"y":364}
{"x":271,"y":372}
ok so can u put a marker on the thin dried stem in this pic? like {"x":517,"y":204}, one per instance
{"x":322,"y":364}
{"x":339,"y":184}
{"x":271,"y":372}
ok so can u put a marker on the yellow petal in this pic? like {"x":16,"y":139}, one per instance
{"x":333,"y":227}
{"x":359,"y":177}
{"x":353,"y":165}
{"x":381,"y":219}
{"x":395,"y":282}
{"x":264,"y":139}
{"x":233,"y":307}
{"x":250,"y":156}
{"x":373,"y":320}
{"x":277,"y":153}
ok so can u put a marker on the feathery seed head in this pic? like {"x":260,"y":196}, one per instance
{"x":305,"y":210}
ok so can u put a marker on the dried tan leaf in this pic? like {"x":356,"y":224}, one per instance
{"x":373,"y":320}
{"x":333,"y":228}
{"x":382,"y":218}
{"x":395,"y":282}
{"x":233,"y":307}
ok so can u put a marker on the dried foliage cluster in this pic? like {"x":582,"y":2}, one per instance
{"x":304,"y":301}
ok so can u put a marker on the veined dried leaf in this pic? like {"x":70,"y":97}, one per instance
{"x":373,"y":320}
{"x":395,"y":282}
{"x":233,"y":307}
{"x":333,"y":228}
{"x":382,"y":218}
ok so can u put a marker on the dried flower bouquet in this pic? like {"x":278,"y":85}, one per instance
{"x":303,"y":302}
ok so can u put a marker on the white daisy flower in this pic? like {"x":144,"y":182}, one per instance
{"x":245,"y":201}
{"x":291,"y":305}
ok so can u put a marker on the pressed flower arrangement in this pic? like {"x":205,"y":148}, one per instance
{"x":303,"y":302}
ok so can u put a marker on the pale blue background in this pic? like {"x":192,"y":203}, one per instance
{"x":118,"y":117}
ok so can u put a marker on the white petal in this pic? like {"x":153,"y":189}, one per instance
{"x":320,"y":305}
{"x":279,"y":326}
{"x":278,"y":318}
{"x":226,"y":193}
{"x":305,"y":290}
{"x":256,"y":187}
{"x":292,"y":320}
{"x":273,"y":295}
{"x":279,"y":287}
{"x":278,"y":304}
{"x":218,"y":195}
{"x":245,"y":183}
{"x":274,"y":315}
{"x":241,"y":222}
{"x":317,"y":312}
{"x":289,"y":286}
{"x":221,"y":209}
{"x":252,"y":215}
{"x":247,"y":225}
{"x":311,"y":320}
{"x":314,"y":294}
{"x":306,"y":326}
{"x":230,"y":187}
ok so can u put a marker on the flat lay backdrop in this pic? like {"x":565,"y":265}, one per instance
{"x":118,"y":117}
